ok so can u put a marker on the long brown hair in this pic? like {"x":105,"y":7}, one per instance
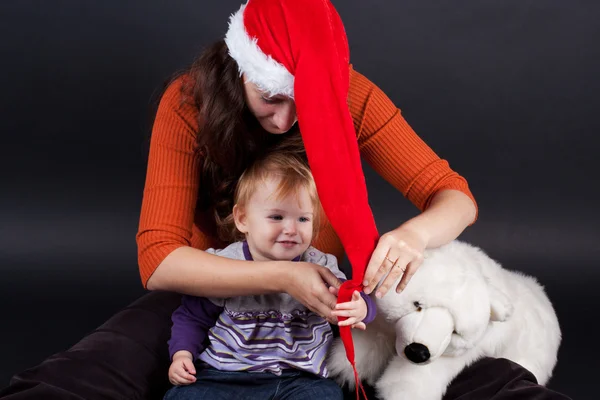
{"x":230,"y":138}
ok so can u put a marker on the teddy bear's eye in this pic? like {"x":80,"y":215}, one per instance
{"x":418,"y":305}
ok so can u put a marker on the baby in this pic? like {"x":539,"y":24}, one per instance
{"x":266,"y":345}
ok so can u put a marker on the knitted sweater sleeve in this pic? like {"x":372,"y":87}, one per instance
{"x":172,"y":181}
{"x":393,"y":149}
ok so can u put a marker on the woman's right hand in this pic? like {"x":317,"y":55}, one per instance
{"x":308,"y":283}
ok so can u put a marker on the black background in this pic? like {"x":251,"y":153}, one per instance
{"x":506,"y":90}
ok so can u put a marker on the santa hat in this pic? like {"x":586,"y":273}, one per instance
{"x":299,"y":48}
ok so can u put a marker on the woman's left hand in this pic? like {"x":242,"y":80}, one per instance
{"x":399,"y":252}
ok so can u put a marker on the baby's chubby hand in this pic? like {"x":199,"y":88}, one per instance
{"x":355,"y":310}
{"x":182,"y":370}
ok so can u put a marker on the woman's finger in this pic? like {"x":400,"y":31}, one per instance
{"x":322,"y":292}
{"x":383,"y":270}
{"x":398,"y":270}
{"x":373,"y":273}
{"x":326,"y":301}
{"x":309,"y":285}
{"x":322,"y":304}
{"x":412,"y":267}
{"x":328,"y":277}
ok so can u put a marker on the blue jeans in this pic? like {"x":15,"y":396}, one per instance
{"x":212,"y":384}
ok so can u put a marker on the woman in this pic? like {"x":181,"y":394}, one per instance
{"x":292,"y":58}
{"x":283,"y":67}
{"x":211,"y":123}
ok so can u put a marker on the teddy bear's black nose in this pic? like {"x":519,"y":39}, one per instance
{"x":417,"y":353}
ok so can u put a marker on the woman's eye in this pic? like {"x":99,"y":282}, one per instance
{"x":268,"y":100}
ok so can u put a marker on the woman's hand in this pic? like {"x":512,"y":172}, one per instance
{"x":401,"y":250}
{"x":308,"y":283}
{"x":399,"y":253}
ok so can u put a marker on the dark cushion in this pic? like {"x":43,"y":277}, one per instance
{"x":125,"y":358}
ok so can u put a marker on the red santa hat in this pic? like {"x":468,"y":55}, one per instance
{"x":299,"y":48}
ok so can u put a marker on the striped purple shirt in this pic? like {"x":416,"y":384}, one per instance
{"x":263,"y":333}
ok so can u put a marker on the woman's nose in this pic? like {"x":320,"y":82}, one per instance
{"x":285,"y":117}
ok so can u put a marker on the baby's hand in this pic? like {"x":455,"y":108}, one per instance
{"x":182,"y":371}
{"x":355,"y":310}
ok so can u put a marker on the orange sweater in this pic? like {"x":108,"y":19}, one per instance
{"x":386,"y":142}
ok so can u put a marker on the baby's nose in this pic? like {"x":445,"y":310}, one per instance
{"x":290,"y":227}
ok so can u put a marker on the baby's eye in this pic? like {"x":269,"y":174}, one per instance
{"x":276,"y":217}
{"x":304,"y":219}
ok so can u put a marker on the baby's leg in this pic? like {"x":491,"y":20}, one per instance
{"x":307,"y":386}
{"x":225,"y":385}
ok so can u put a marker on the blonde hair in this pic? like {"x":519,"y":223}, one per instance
{"x":293,"y":174}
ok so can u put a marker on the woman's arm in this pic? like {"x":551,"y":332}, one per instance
{"x":402,"y":158}
{"x":198,"y":273}
{"x":449,"y":213}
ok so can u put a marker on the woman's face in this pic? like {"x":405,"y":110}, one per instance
{"x":276,"y":114}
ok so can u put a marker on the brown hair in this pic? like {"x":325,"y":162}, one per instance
{"x":230,"y":137}
{"x":293,"y":174}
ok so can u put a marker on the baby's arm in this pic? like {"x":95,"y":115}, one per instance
{"x":191,"y":322}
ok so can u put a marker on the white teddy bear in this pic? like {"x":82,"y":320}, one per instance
{"x":460,"y":306}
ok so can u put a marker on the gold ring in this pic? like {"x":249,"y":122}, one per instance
{"x":393,"y":262}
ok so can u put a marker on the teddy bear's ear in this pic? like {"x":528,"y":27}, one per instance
{"x":501,"y":308}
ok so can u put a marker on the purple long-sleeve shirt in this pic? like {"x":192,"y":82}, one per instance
{"x":256,"y":333}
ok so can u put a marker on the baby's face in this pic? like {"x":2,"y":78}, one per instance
{"x":278,"y":229}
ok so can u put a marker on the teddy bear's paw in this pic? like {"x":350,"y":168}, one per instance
{"x":339,"y":368}
{"x":400,"y":392}
{"x":413,"y":383}
{"x":343,"y":377}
